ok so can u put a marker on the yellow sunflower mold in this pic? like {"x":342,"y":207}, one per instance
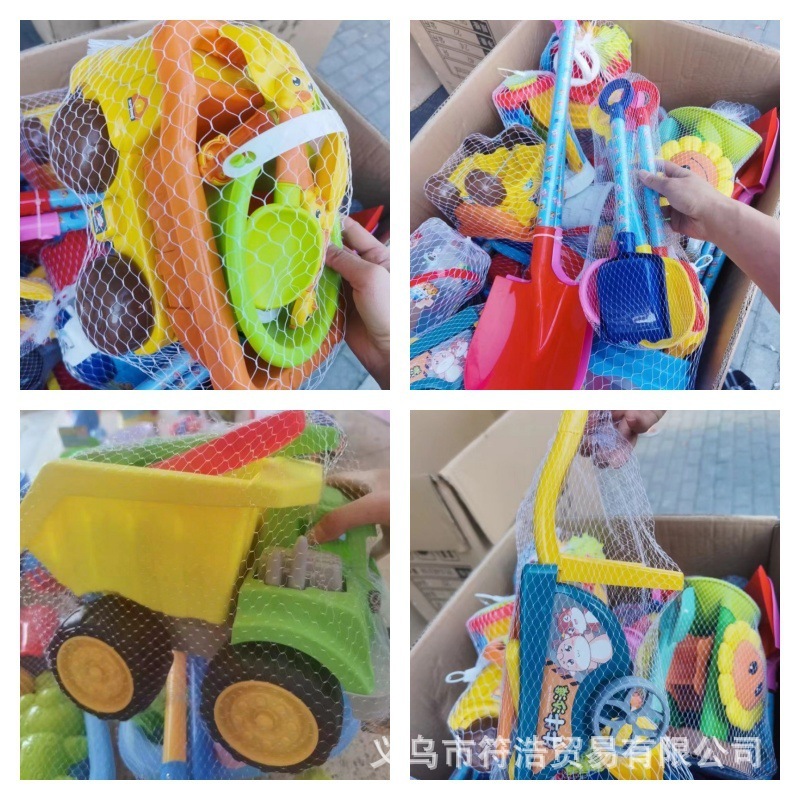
{"x":704,"y":158}
{"x":742,"y":675}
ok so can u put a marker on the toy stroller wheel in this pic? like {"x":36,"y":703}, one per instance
{"x":272,"y":707}
{"x":111,"y":657}
{"x":484,"y":188}
{"x":443,"y":193}
{"x":633,"y":708}
{"x":33,"y":136}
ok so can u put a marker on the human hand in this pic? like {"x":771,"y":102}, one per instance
{"x":693,"y":202}
{"x":631,"y":424}
{"x":606,"y":451}
{"x":364,"y":265}
{"x":371,"y":488}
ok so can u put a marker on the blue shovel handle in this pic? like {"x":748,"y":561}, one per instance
{"x":652,"y":200}
{"x":619,"y":156}
{"x":617,"y":109}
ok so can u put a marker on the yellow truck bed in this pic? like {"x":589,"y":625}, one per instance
{"x":174,"y":542}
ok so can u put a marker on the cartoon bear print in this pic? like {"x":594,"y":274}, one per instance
{"x":572,"y":621}
{"x":584,"y":653}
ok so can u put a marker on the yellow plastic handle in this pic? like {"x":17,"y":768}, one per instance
{"x":579,"y":569}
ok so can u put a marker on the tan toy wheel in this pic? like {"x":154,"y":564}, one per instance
{"x":266,"y":723}
{"x":111,"y":657}
{"x":272,"y":707}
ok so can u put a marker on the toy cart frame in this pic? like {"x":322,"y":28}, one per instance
{"x":598,"y":708}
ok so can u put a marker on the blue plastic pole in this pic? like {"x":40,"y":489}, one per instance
{"x":550,"y":195}
{"x":652,"y":204}
{"x":713,"y":271}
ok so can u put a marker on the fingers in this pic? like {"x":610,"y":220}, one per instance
{"x":355,"y":483}
{"x":372,"y":509}
{"x":354,"y":269}
{"x":672,"y":170}
{"x":364,"y":243}
{"x":658,"y":183}
{"x":641,"y":421}
{"x":608,"y":452}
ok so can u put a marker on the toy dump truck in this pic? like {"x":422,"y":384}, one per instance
{"x":215,"y":566}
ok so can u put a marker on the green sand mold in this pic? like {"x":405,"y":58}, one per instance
{"x":271,"y":257}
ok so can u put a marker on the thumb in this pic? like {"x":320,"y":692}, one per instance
{"x":658,"y":183}
{"x":371,"y":509}
{"x":350,"y":266}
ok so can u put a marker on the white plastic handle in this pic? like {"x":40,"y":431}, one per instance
{"x":268,"y":145}
{"x":588,"y":67}
{"x":463,"y":676}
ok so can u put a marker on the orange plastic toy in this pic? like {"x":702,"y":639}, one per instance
{"x":189,"y":263}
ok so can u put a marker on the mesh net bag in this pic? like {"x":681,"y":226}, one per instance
{"x":176,"y":619}
{"x":717,"y":683}
{"x":488,"y":187}
{"x":584,"y":695}
{"x":438,"y":357}
{"x":474,"y":718}
{"x":447,"y":270}
{"x":602,"y":53}
{"x":590,"y":287}
{"x":211,"y":173}
{"x":39,"y":352}
{"x":534,"y":185}
{"x":638,"y":289}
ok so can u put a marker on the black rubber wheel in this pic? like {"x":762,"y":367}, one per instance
{"x":263,"y":672}
{"x":111,"y":657}
{"x":479,"y":741}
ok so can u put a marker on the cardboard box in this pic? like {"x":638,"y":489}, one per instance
{"x":310,"y":37}
{"x":468,"y":504}
{"x":454,"y":47}
{"x":490,"y":495}
{"x":691,"y":65}
{"x":48,"y":67}
{"x":445,"y":544}
{"x":712,"y":546}
{"x":424,"y":81}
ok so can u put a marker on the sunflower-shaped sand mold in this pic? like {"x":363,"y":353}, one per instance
{"x":703,"y":158}
{"x":742,"y":675}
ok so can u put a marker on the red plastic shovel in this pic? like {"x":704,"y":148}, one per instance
{"x":240,"y":446}
{"x":532,"y":333}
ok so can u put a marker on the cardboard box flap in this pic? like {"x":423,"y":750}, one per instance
{"x":492,"y":495}
{"x":454,"y":47}
{"x":432,"y":525}
{"x":424,"y":81}
{"x":697,"y":66}
{"x":436,"y":438}
{"x":721,"y":547}
{"x":444,"y":647}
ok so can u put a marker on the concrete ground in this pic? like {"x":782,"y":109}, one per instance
{"x":758,"y":352}
{"x":356,"y":64}
{"x":713,"y":462}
